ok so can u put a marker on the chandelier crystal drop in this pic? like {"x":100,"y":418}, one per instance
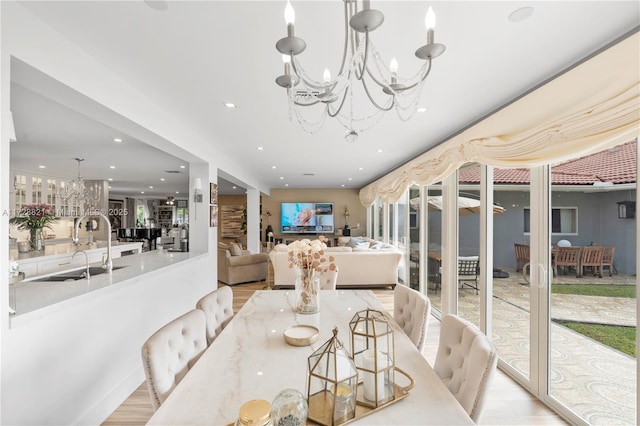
{"x":362,"y":73}
{"x":78,"y":193}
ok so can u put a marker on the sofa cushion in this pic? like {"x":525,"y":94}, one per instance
{"x":376,"y":245}
{"x":343,"y":241}
{"x":363,"y":245}
{"x":236,"y":249}
{"x":354,"y":241}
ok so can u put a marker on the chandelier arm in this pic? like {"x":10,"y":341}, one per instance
{"x":304,"y":105}
{"x":366,"y":89}
{"x":346,"y":39}
{"x":427,"y":71}
{"x":366,"y":57}
{"x":304,"y":80}
{"x":344,"y":97}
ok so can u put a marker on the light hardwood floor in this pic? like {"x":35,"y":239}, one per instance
{"x":509,"y":403}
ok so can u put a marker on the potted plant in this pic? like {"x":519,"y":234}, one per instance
{"x":34,"y":218}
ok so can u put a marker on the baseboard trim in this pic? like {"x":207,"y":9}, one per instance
{"x":111,"y":401}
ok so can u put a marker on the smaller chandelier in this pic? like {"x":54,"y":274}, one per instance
{"x":170,"y":201}
{"x":360,"y":63}
{"x":78,"y":193}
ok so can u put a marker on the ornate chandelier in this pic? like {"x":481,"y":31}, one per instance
{"x":77,"y":192}
{"x":361,"y":63}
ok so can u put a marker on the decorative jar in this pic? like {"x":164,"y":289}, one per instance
{"x":289,"y":408}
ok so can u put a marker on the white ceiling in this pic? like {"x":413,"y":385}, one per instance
{"x":195,"y":55}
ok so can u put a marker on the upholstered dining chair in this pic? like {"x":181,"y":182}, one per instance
{"x":328,"y":279}
{"x":218,"y":309}
{"x":411,"y":310}
{"x":171,"y":351}
{"x":466,"y":362}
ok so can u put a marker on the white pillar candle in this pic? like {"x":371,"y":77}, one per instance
{"x":368,"y":381}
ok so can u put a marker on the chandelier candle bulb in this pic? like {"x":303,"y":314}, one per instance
{"x":326,"y":75}
{"x":290,"y":19}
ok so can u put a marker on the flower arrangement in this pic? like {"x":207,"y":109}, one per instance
{"x":309,"y":257}
{"x":34,"y":216}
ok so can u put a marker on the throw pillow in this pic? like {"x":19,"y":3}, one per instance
{"x":363,"y":245}
{"x":376,"y":246}
{"x":354,"y":241}
{"x":236,"y":249}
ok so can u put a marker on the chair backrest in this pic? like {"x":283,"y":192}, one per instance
{"x":218,"y":309}
{"x":468,"y":266}
{"x":328,"y":279}
{"x":411,"y":310}
{"x":592,"y":256}
{"x":567,"y":256}
{"x":171,"y":351}
{"x":466,"y":363}
{"x":522,"y":252}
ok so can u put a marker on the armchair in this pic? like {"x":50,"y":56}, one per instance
{"x":241,"y":268}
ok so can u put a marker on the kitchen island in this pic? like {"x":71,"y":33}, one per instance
{"x":58,"y":257}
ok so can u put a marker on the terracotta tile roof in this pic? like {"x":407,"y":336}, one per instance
{"x":617,"y":165}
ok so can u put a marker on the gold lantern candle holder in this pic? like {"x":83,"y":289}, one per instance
{"x":332,"y":384}
{"x":372,"y":345}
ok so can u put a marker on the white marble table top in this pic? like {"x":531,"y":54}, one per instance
{"x":250,"y":360}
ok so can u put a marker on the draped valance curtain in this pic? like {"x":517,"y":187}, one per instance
{"x":593,"y":106}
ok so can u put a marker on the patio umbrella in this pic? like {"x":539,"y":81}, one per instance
{"x":465,"y":205}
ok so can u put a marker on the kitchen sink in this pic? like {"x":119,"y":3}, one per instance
{"x":78,"y":274}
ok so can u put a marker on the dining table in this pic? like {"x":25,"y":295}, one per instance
{"x":250,"y":360}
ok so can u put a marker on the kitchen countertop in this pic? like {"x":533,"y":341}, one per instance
{"x":65,"y":248}
{"x":35,"y":299}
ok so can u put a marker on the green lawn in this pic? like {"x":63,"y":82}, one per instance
{"x":615,"y":336}
{"x":595,"y":290}
{"x":618,"y":337}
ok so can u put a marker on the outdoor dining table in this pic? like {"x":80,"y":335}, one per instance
{"x":251,"y":360}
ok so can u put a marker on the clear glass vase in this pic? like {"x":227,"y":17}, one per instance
{"x":289,"y":408}
{"x":307,"y":288}
{"x":36,"y":239}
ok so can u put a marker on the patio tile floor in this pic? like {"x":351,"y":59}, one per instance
{"x":594,"y":380}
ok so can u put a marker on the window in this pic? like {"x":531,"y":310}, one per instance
{"x":564,"y":220}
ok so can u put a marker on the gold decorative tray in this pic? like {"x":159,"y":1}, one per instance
{"x":362,"y":410}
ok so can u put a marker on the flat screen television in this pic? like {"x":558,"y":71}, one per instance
{"x":306,"y":218}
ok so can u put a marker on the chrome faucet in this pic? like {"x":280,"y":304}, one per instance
{"x":86,"y":256}
{"x":107,"y":263}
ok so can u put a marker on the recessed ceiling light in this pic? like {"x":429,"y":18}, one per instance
{"x":177,"y":192}
{"x":286,"y":184}
{"x":112,"y":167}
{"x":117,"y":140}
{"x":281,"y":177}
{"x":110,"y":179}
{"x":379,"y":150}
{"x":360,"y":168}
{"x":150,"y":187}
{"x":350,"y":179}
{"x":274,"y":167}
{"x":162,"y":179}
{"x":109,"y":186}
{"x":521,"y":14}
{"x":421,"y":109}
{"x":230,"y":105}
{"x":342,"y":185}
{"x":42,"y":167}
{"x":142,"y":192}
{"x":182,"y":167}
{"x":260,"y":148}
{"x":234,"y":187}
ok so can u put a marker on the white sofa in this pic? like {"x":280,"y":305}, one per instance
{"x":358,"y":266}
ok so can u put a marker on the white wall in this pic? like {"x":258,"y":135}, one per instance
{"x":78,"y":365}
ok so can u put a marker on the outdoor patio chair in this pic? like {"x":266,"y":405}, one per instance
{"x":522,"y":255}
{"x":592,"y":258}
{"x":468,"y":268}
{"x":567,"y":257}
{"x":607,"y":259}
